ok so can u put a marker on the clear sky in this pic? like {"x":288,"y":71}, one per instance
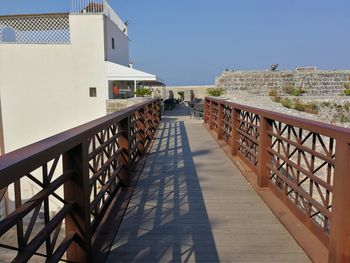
{"x":190,"y":42}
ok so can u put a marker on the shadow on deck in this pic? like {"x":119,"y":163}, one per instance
{"x":191,"y":204}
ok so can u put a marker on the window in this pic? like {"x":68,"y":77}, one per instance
{"x":113,"y":47}
{"x":93,"y":92}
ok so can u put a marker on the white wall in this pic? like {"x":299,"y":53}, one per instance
{"x":120,"y":54}
{"x":44,"y":89}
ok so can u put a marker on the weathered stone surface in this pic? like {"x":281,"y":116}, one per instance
{"x":315,"y":83}
{"x":119,"y":104}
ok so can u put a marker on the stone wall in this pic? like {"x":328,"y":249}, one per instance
{"x":200,"y":92}
{"x":119,"y":104}
{"x":314,"y":82}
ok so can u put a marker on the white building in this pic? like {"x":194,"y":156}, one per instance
{"x":57,"y":71}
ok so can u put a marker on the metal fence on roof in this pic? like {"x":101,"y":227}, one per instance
{"x":97,"y":7}
{"x":86,"y":6}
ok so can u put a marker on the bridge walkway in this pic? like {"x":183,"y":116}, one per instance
{"x":192,"y":204}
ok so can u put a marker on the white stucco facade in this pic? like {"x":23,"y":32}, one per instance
{"x":120,"y":53}
{"x":44,"y":88}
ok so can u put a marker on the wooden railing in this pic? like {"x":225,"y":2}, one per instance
{"x":81,"y":179}
{"x":305,"y":163}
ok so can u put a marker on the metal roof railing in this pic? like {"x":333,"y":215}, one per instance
{"x":97,"y":7}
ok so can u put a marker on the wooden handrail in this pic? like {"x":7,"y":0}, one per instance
{"x":14,"y":164}
{"x":311,"y":125}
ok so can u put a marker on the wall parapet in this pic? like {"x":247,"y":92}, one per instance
{"x":314,"y":82}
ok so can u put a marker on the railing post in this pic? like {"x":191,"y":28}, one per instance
{"x":339,"y":242}
{"x":124,"y":157}
{"x":155,"y":115}
{"x":206,"y":113}
{"x":77,"y":190}
{"x":234,"y":131}
{"x":159,"y":110}
{"x":152,"y":116}
{"x":220,"y":121}
{"x":211,"y":115}
{"x":141,"y":130}
{"x":148,"y":128}
{"x":264,"y":141}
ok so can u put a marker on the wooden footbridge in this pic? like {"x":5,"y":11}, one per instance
{"x":247,"y":185}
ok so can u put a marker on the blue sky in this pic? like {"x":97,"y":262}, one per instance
{"x":190,"y":42}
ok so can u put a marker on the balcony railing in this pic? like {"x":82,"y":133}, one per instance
{"x":86,"y":173}
{"x":304,"y":163}
{"x":35,"y":29}
{"x":97,"y":7}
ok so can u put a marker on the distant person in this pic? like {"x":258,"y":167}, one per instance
{"x":116,"y":91}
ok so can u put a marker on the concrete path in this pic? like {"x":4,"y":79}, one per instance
{"x":192,"y":205}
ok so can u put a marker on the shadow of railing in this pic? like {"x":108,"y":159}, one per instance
{"x":167,"y":219}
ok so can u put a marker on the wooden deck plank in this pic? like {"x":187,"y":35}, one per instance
{"x":193,"y":205}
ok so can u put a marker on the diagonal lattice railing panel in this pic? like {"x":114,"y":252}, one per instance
{"x":248,"y":136}
{"x":302,"y":164}
{"x":63,"y":190}
{"x":302,"y":168}
{"x":38,"y":216}
{"x":35,"y":29}
{"x":226,"y":124}
{"x":215,"y":116}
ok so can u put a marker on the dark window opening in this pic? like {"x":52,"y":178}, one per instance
{"x":93,"y":92}
{"x":112,"y":43}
